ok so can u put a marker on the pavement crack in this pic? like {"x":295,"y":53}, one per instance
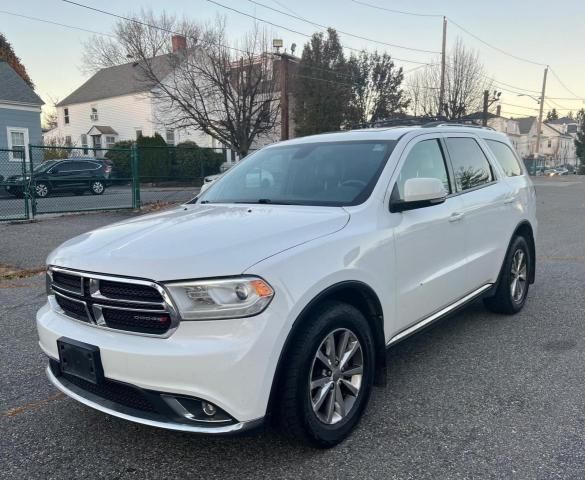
{"x":12,"y":412}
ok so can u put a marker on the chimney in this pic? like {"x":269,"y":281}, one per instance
{"x":499,"y":110}
{"x":179,"y":43}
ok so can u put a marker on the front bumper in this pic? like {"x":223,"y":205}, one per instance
{"x":229,"y":363}
{"x":144,"y":418}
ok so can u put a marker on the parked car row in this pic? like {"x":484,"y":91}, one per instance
{"x":554,"y":172}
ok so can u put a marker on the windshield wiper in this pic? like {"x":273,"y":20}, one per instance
{"x":266,"y":201}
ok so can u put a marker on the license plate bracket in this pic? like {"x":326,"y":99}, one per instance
{"x":81,"y":360}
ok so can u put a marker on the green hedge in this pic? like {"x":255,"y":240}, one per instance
{"x":157,"y":160}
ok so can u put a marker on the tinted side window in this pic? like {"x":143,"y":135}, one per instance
{"x":505,"y":157}
{"x":425,"y":160}
{"x":470,"y":165}
{"x":63,"y":167}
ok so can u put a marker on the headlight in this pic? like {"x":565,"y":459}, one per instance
{"x":223,"y":298}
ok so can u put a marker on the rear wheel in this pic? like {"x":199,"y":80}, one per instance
{"x":97,"y":187}
{"x":514,"y":282}
{"x":328,"y":376}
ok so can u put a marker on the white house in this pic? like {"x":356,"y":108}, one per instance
{"x":116,"y":104}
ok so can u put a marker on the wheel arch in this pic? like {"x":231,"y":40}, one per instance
{"x":355,"y":293}
{"x":524,"y":229}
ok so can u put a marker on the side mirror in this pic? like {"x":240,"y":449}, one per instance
{"x":418,"y":193}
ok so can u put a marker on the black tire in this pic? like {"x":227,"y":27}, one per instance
{"x":41,"y":190}
{"x":503,"y":301}
{"x":295,"y":407}
{"x":97,"y":187}
{"x":17,"y":193}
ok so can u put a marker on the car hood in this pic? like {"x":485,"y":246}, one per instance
{"x":197,"y":241}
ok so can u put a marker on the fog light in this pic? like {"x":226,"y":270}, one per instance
{"x":208,"y":409}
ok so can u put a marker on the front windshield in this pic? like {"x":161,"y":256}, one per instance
{"x":328,"y":173}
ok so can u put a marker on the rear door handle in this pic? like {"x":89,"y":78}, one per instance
{"x":456,"y":216}
{"x":509,"y":200}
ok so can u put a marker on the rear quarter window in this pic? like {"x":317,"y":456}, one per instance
{"x":506,"y":158}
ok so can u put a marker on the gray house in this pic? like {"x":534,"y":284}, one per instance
{"x":20,"y":119}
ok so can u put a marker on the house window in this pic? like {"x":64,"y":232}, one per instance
{"x":110,"y":141}
{"x":66,"y":115}
{"x":17,"y":142}
{"x":68,"y":140}
{"x":94,"y":113}
{"x":138,"y":133}
{"x":84,"y":144}
{"x":549,"y":143}
{"x":170,"y":135}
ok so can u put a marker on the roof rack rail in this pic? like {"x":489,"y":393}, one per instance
{"x":451,"y":123}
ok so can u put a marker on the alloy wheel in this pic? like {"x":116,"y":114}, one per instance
{"x":518,"y":276}
{"x":336,"y":376}
{"x":97,"y":187}
{"x":41,"y":190}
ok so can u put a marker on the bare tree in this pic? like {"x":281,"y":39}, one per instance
{"x":145,"y":33}
{"x":49,"y":120}
{"x":228,"y":92}
{"x":465,"y":82}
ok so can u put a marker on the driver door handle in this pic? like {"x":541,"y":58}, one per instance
{"x":456,"y":216}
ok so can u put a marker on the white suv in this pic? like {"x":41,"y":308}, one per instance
{"x":278,"y":290}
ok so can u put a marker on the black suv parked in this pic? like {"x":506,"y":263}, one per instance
{"x":77,"y":175}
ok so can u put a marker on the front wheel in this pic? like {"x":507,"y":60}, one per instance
{"x":514,"y":281}
{"x":328,"y":376}
{"x":42,"y":190}
{"x":97,"y":187}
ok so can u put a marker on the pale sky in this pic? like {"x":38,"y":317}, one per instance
{"x":543,"y":31}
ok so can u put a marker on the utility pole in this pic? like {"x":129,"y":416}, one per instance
{"x":539,"y":125}
{"x":487,"y":103}
{"x":486,"y":100}
{"x":284,"y":110}
{"x":443,"y":66}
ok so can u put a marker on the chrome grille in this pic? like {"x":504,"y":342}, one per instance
{"x":129,"y":305}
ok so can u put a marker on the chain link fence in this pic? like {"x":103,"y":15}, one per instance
{"x":14,"y":204}
{"x":49,"y":179}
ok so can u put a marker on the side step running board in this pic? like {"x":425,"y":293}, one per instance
{"x":436,"y":316}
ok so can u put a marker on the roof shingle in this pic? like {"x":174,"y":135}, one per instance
{"x":119,"y":80}
{"x":15,"y":89}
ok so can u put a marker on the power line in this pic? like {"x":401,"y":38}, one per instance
{"x":302,"y":19}
{"x":517,"y":88}
{"x":519,"y":106}
{"x":402,"y":12}
{"x":258,"y":19}
{"x":502,"y":51}
{"x":57,"y":23}
{"x":563,"y":85}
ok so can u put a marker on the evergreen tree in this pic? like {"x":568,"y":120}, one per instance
{"x":376,"y":92}
{"x":7,"y":54}
{"x":323,"y":86}
{"x":552,"y":115}
{"x":580,"y":140}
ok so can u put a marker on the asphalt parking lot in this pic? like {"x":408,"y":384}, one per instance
{"x":475,"y":396}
